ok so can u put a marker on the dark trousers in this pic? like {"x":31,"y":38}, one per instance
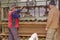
{"x":13,"y":34}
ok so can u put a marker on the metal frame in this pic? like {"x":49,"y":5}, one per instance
{"x":17,"y":4}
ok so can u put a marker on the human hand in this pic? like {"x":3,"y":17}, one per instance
{"x":21,"y":7}
{"x":46,"y":28}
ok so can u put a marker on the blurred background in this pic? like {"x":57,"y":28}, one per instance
{"x":33,"y":17}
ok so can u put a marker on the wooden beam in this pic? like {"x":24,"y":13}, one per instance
{"x":28,"y":23}
{"x":0,"y":16}
{"x":0,"y":11}
{"x":59,"y":4}
{"x":59,"y":24}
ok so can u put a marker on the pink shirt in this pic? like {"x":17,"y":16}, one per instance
{"x":10,"y":20}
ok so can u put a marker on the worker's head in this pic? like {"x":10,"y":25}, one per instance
{"x":52,"y":4}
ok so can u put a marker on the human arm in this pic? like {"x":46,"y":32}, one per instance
{"x":49,"y":19}
{"x":21,"y":7}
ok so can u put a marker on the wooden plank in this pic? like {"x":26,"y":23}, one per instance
{"x":2,"y":34}
{"x":0,"y":11}
{"x":5,"y":23}
{"x":28,"y":28}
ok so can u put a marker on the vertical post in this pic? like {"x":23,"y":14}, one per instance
{"x":59,"y":20}
{"x":59,"y":5}
{"x":46,"y":7}
{"x":0,"y":16}
{"x":0,"y":11}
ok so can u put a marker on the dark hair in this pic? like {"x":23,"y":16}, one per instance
{"x":52,"y":2}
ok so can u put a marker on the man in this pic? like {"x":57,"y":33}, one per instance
{"x":52,"y":22}
{"x":13,"y":21}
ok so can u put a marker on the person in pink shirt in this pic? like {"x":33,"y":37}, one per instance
{"x":13,"y":22}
